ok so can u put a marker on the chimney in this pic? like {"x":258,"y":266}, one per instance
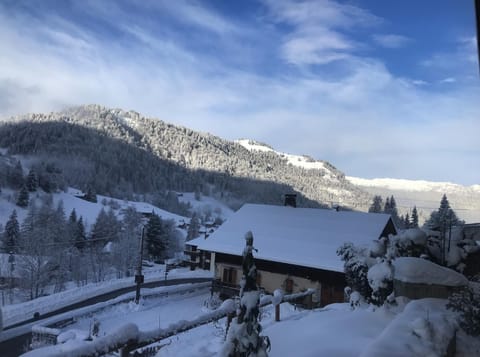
{"x":291,"y":199}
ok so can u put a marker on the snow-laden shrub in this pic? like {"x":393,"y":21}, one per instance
{"x":466,"y":301}
{"x":356,"y":264}
{"x":380,"y":279}
{"x":409,"y":243}
{"x":369,"y":271}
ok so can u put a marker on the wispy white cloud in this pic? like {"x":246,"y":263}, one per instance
{"x":317,"y":36}
{"x":367,"y":122}
{"x":447,"y":80}
{"x":391,"y":40}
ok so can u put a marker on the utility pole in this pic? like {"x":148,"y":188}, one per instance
{"x":11,"y":260}
{"x":449,"y":229}
{"x":139,"y":278}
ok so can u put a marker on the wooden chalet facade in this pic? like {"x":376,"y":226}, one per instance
{"x":296,"y":248}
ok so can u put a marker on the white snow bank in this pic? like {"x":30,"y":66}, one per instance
{"x":13,"y":314}
{"x":424,"y":328}
{"x":417,"y":270}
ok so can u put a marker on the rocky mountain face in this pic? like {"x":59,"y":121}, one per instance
{"x":121,"y":153}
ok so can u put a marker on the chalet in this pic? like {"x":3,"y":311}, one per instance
{"x":296,"y":247}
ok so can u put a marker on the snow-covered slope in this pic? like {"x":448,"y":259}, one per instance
{"x":303,"y":161}
{"x":414,"y":185}
{"x":426,"y":195}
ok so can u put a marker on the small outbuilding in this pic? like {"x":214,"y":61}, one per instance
{"x":417,"y":278}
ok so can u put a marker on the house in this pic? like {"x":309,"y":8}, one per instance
{"x":295,"y":247}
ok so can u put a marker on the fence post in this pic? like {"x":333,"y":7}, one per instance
{"x":277,"y":312}
{"x":230,"y":317}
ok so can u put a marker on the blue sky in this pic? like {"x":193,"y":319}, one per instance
{"x":378,"y":88}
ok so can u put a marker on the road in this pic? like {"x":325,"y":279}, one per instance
{"x":16,"y":345}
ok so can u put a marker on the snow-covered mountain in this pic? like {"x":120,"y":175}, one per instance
{"x":426,"y":195}
{"x":121,"y":152}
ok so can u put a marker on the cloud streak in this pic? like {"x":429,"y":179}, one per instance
{"x":391,"y":40}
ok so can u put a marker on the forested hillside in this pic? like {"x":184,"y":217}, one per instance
{"x":121,"y":153}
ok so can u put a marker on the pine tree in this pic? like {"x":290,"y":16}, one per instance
{"x":443,"y":217}
{"x":32,"y":181}
{"x":194,"y":227}
{"x":91,"y":195}
{"x":414,"y":222}
{"x":407,"y":223}
{"x":243,"y":337}
{"x":391,"y":209}
{"x":11,"y":236}
{"x":155,"y":245}
{"x":376,"y":206}
{"x":80,"y":235}
{"x":23,"y":197}
{"x":105,"y":229}
{"x":386,"y":208}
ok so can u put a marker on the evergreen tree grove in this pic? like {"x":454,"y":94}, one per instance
{"x":376,"y":206}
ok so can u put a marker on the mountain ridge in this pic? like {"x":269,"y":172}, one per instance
{"x":181,"y":146}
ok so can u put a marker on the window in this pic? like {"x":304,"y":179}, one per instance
{"x":229,"y":275}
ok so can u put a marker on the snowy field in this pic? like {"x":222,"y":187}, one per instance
{"x":416,"y":328}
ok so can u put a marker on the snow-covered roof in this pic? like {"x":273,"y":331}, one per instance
{"x":417,"y":270}
{"x":301,"y":236}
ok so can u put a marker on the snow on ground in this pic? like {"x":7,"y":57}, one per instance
{"x":153,"y":312}
{"x":7,"y":205}
{"x":13,"y":314}
{"x":419,"y":328}
{"x":424,"y":328}
{"x":205,"y":202}
{"x":88,"y":210}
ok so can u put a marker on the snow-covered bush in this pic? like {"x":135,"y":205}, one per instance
{"x":356,"y":265}
{"x":466,"y":301}
{"x":380,"y":279}
{"x":409,"y":243}
{"x":369,"y":271}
